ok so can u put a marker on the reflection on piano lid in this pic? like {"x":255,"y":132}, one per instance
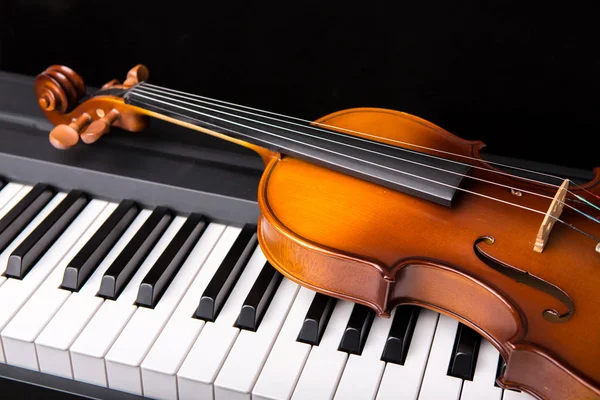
{"x":130,"y":271}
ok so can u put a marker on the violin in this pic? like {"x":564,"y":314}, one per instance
{"x":383,"y":208}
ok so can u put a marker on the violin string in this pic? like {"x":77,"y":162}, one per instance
{"x":374,"y":152}
{"x":589,"y":203}
{"x":388,"y":146}
{"x":311,"y":125}
{"x":344,"y":155}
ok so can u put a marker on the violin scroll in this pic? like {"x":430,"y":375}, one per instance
{"x":61,"y":91}
{"x":59,"y":88}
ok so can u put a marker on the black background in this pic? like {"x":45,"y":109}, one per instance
{"x":522,"y":76}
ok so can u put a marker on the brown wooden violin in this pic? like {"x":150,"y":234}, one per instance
{"x":384,"y":208}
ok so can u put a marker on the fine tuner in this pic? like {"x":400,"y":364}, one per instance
{"x":384,"y":208}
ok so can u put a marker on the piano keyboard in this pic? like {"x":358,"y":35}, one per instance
{"x":166,"y":305}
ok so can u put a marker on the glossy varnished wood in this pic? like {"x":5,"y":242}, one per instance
{"x":362,"y":242}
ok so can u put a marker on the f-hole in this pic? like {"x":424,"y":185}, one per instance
{"x":529,"y":280}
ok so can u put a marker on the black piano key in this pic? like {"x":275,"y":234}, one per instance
{"x":258,"y":299}
{"x":355,"y":336}
{"x":28,"y":253}
{"x":119,"y":273}
{"x":464,"y":353}
{"x":316,"y":319}
{"x":2,"y":183}
{"x":220,"y":286}
{"x":499,"y":370}
{"x":401,"y":333}
{"x":170,"y":261}
{"x":93,"y":252}
{"x":23,"y":213}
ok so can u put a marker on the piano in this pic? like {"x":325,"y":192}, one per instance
{"x":130,"y":269}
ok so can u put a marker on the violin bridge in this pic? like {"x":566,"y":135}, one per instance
{"x":551,"y":217}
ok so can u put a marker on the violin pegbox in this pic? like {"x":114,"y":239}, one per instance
{"x":61,"y":94}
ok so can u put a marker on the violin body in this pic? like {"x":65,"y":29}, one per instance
{"x":362,"y":242}
{"x":354,"y":239}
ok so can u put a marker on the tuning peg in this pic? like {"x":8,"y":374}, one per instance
{"x":136,"y":75}
{"x":65,"y":136}
{"x":99,"y":127}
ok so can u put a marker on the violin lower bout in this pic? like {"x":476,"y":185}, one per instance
{"x":448,"y":289}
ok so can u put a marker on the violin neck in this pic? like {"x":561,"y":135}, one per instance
{"x":431,"y":178}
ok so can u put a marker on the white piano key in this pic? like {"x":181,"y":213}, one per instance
{"x":482,"y":386}
{"x":131,"y":347}
{"x":249,"y":353}
{"x":402,"y":382}
{"x":10,"y":195}
{"x":9,"y":191}
{"x":87,"y":353}
{"x":436,"y":383}
{"x":14,"y":293}
{"x":19,"y":349}
{"x":323,"y":369}
{"x":288,"y":356}
{"x":514,"y":395}
{"x":160,"y":366}
{"x":52,"y":345}
{"x":90,"y":347}
{"x":19,"y":335}
{"x":202,"y":364}
{"x":363,"y":373}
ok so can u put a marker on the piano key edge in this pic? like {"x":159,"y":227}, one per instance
{"x":107,"y":181}
{"x":11,"y":375}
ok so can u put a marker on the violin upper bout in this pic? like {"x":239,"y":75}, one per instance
{"x":402,"y":130}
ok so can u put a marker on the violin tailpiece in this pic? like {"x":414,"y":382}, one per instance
{"x":553,"y":214}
